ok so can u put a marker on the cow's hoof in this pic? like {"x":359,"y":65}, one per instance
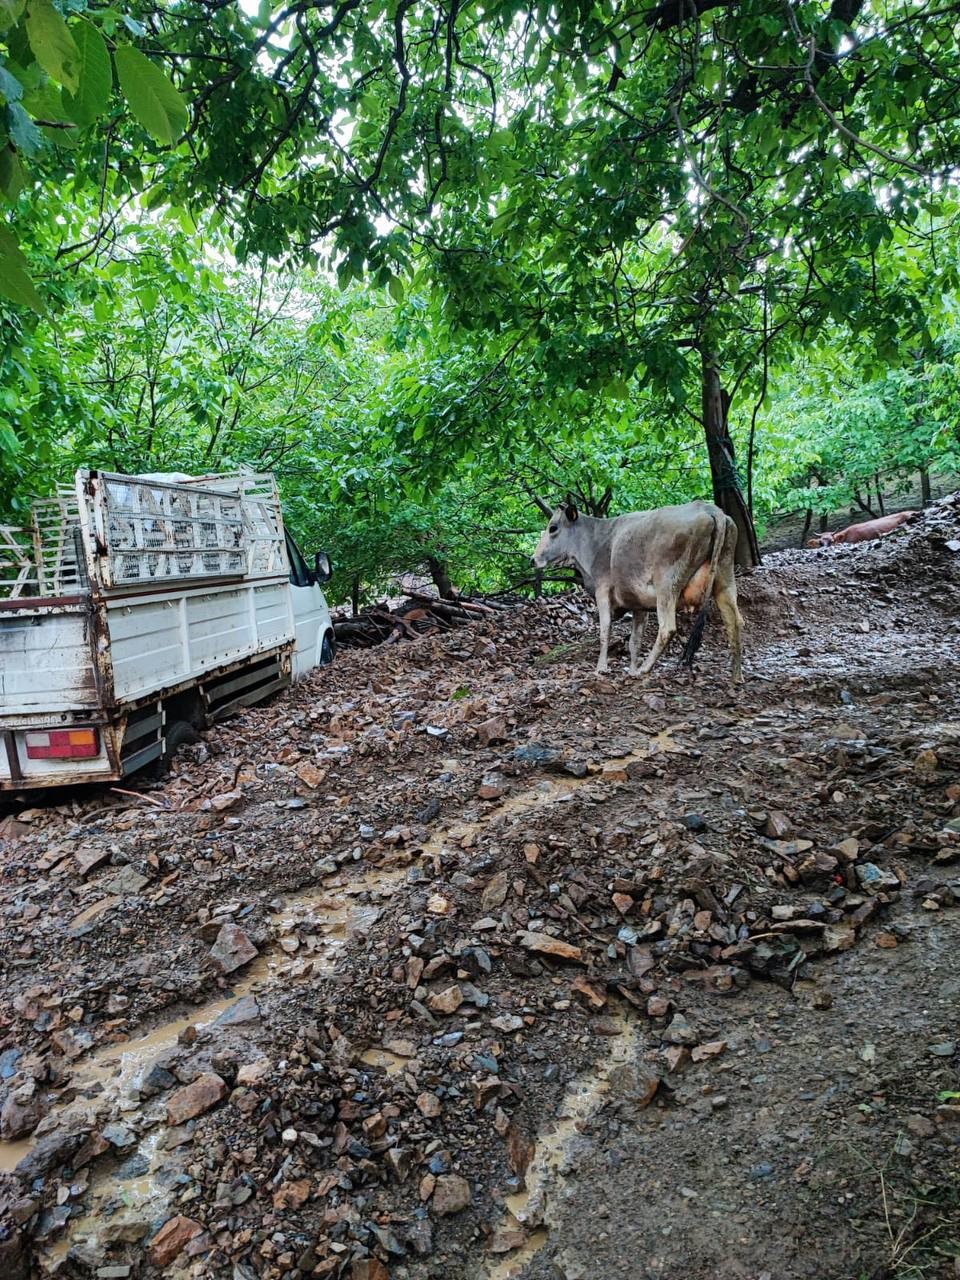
{"x":602,"y":671}
{"x":635,"y":673}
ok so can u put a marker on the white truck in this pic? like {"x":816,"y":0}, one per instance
{"x":136,"y":609}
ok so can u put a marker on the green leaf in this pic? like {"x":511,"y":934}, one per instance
{"x":396,"y":289}
{"x":15,"y":283}
{"x":617,"y":389}
{"x":10,"y":11}
{"x":11,"y":174}
{"x":152,"y":97}
{"x":52,"y":43}
{"x":96,"y":75}
{"x":10,"y":86}
{"x":24,"y":134}
{"x":502,"y":221}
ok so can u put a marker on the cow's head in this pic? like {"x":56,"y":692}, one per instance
{"x":560,"y":538}
{"x":821,"y":540}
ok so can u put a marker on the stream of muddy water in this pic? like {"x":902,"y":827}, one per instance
{"x":534,"y":1209}
{"x":311,"y":930}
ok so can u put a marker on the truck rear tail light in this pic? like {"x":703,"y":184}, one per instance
{"x":63,"y":744}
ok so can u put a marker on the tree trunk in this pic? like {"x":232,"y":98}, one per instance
{"x":355,"y":594}
{"x":879,"y":490}
{"x":824,"y":521}
{"x":863,"y":505}
{"x":441,"y":578}
{"x":807,"y":521}
{"x":924,"y":487}
{"x":723,"y":468}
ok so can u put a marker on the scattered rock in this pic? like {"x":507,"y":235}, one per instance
{"x":20,"y":1114}
{"x":870,"y":876}
{"x":679,"y":1032}
{"x":492,"y":730}
{"x":451,"y":1195}
{"x":495,"y":892}
{"x":292,"y":1195}
{"x":242,"y":1011}
{"x":777,"y":825}
{"x":429,"y":1105}
{"x":710,"y":1049}
{"x":694,"y":822}
{"x":447,"y":1001}
{"x":232,"y":949}
{"x":127,"y":882}
{"x":945,"y":1049}
{"x":507,"y":1022}
{"x":89,"y":857}
{"x":545,"y":944}
{"x":172,"y":1239}
{"x":193,"y":1099}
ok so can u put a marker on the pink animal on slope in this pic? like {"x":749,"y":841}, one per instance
{"x":865,"y":531}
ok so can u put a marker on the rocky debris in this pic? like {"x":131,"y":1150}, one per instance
{"x":242,"y":1011}
{"x":20,"y":1113}
{"x":447,"y":1001}
{"x":194,"y":1099}
{"x":49,"y":1153}
{"x":679,"y":1032}
{"x":545,"y":944}
{"x":451,"y":1194}
{"x":127,"y":882}
{"x":232,"y":949}
{"x":14,"y":1254}
{"x":172,"y":1238}
{"x":87,"y":859}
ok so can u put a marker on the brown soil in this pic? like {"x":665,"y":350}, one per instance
{"x":680,"y":956}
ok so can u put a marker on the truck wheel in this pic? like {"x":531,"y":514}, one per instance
{"x":328,"y":649}
{"x":180,"y":733}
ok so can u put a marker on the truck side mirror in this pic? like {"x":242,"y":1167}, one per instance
{"x":322,"y":568}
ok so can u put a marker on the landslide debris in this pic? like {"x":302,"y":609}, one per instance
{"x":304,"y":1008}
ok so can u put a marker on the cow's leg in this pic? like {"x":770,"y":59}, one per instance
{"x":726,"y":598}
{"x":637,"y":629}
{"x":604,"y":614}
{"x":666,"y":629}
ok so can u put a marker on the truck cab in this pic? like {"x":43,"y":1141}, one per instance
{"x":315,"y":645}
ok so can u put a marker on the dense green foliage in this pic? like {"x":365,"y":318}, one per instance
{"x":428,"y":260}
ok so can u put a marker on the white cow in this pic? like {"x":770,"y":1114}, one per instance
{"x":651,"y":560}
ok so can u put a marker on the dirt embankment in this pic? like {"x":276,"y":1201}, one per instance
{"x":459,"y":961}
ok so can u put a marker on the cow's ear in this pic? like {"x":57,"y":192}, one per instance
{"x":571,"y":512}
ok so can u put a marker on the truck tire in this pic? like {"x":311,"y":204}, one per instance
{"x":180,"y":733}
{"x":328,"y":649}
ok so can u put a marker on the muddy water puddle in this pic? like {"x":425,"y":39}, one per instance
{"x":121,"y":1206}
{"x":11,"y":1153}
{"x":534,"y":1208}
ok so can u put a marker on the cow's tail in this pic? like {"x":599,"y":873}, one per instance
{"x":695,"y":638}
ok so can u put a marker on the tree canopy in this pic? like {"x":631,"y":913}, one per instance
{"x":599,"y":228}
